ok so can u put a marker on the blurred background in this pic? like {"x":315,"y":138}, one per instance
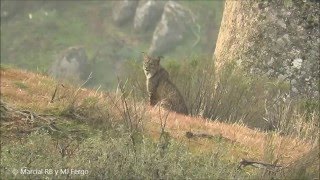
{"x":70,"y":39}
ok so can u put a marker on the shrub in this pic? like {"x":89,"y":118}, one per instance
{"x":233,"y":95}
{"x":111,"y":155}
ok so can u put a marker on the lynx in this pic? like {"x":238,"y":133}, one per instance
{"x":160,"y":89}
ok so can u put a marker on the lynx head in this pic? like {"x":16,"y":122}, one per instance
{"x":151,"y":65}
{"x":74,"y":52}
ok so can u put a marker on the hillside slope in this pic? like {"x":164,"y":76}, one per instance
{"x":37,"y":32}
{"x":33,"y":104}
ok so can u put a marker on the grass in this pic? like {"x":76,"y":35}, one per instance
{"x":21,"y":85}
{"x":231,"y":95}
{"x":115,"y":135}
{"x":51,"y":124}
{"x":111,"y":157}
{"x":35,"y":43}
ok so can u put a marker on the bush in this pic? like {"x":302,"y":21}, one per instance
{"x":232,"y":95}
{"x":113,"y":156}
{"x":104,"y":138}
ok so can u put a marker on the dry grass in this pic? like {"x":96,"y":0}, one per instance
{"x":243,"y":142}
{"x":39,"y":90}
{"x":36,"y":93}
{"x":286,"y":149}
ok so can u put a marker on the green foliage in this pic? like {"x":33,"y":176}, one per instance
{"x":112,"y":155}
{"x":38,"y":151}
{"x":91,"y":139}
{"x":90,"y":101}
{"x":103,"y":145}
{"x":34,"y":43}
{"x":232,"y":95}
{"x":309,"y":106}
{"x":4,"y":67}
{"x":116,"y":147}
{"x":21,"y":85}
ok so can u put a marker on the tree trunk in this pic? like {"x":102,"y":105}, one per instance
{"x":279,"y":39}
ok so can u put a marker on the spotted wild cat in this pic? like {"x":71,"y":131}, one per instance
{"x":160,"y":89}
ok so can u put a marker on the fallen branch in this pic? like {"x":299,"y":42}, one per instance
{"x":260,"y":165}
{"x":42,"y":121}
{"x":190,"y":135}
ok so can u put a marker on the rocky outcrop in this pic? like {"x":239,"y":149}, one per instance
{"x":176,"y":20}
{"x":71,"y":65}
{"x":276,"y":38}
{"x":148,"y":14}
{"x":172,"y":21}
{"x":124,"y":11}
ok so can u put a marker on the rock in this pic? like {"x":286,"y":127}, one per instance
{"x":71,"y":65}
{"x":290,"y":34}
{"x":148,"y":14}
{"x":170,"y":31}
{"x":124,"y":11}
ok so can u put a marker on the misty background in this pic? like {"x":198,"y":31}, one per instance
{"x":37,"y":35}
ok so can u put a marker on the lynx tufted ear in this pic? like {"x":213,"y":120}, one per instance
{"x":145,"y":56}
{"x":159,"y":58}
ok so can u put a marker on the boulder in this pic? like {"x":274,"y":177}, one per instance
{"x":148,"y":14}
{"x":71,"y":64}
{"x":175,"y":21}
{"x":279,"y":39}
{"x":124,"y":11}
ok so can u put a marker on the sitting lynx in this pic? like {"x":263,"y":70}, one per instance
{"x":160,"y":88}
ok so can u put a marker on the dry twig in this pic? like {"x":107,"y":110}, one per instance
{"x":260,"y":165}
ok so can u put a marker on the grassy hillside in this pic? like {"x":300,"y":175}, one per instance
{"x":56,"y":130}
{"x":49,"y":125}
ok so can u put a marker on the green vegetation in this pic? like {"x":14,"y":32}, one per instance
{"x":34,"y":43}
{"x":89,"y":136}
{"x":232,"y":95}
{"x":21,"y":85}
{"x":113,"y":155}
{"x":114,"y":135}
{"x":109,"y":138}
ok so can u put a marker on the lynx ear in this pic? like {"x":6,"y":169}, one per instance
{"x":145,"y":56}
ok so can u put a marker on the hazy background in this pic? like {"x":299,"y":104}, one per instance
{"x":34,"y":33}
